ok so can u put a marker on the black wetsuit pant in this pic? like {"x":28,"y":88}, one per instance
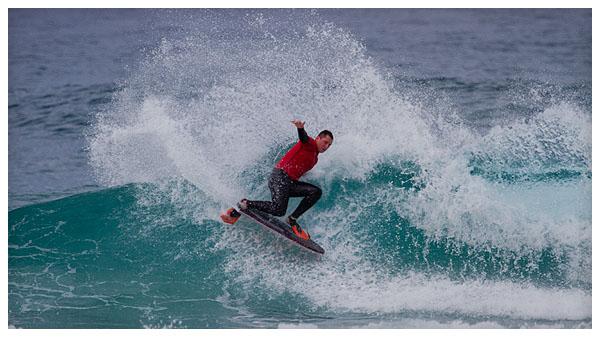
{"x":282,"y":188}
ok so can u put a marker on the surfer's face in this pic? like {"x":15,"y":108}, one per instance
{"x":323,"y":143}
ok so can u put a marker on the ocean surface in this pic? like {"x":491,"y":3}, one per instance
{"x":457,"y":193}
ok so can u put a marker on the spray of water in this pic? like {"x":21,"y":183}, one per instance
{"x":215,"y":113}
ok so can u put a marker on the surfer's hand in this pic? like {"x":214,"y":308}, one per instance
{"x":298,"y":123}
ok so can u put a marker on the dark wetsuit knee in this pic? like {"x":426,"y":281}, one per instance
{"x":317,"y":193}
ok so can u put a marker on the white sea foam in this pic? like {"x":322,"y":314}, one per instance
{"x":344,"y":281}
{"x":210,"y":112}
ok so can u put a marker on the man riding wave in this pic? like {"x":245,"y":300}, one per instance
{"x":284,"y":181}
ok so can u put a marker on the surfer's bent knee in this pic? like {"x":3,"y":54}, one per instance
{"x":317,"y":192}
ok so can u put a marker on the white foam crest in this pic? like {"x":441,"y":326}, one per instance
{"x":152,"y":147}
{"x":560,"y":136}
{"x":342,"y":280}
{"x":533,"y":215}
{"x":414,"y":293}
{"x":209,"y":111}
{"x":467,"y":208}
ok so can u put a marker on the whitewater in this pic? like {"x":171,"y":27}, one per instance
{"x":434,"y":213}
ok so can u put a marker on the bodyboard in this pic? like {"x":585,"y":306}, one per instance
{"x":281,"y":228}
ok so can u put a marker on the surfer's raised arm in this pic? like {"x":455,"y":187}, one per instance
{"x":301,"y":132}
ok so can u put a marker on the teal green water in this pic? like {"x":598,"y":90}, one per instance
{"x":130,"y":256}
{"x":457,"y":192}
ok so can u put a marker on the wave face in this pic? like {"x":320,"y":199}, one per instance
{"x":425,"y":220}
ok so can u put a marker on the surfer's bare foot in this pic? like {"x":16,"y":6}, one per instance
{"x":243,"y":204}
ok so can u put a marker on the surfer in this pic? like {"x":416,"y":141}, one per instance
{"x":284,"y":182}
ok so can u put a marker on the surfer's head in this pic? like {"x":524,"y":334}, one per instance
{"x":324,"y":140}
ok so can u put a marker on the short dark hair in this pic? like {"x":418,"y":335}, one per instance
{"x":326,"y":133}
